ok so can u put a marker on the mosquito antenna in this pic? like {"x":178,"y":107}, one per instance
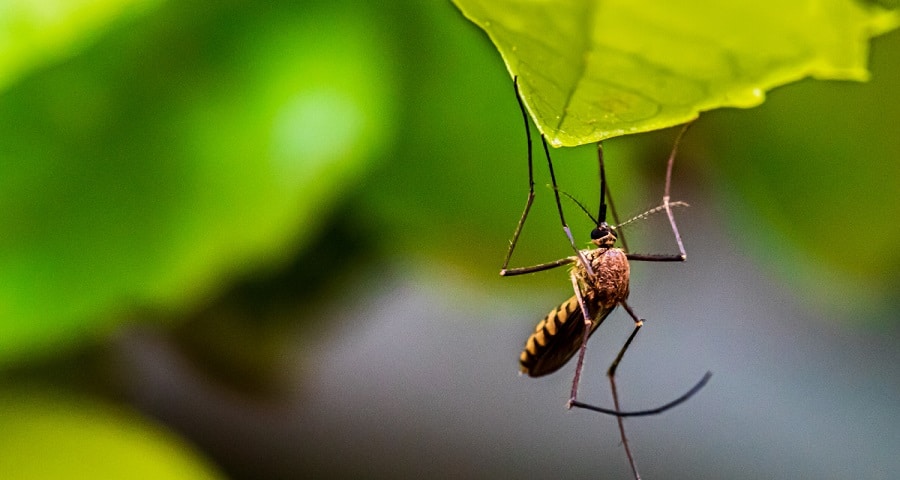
{"x":660,"y":208}
{"x":580,"y":205}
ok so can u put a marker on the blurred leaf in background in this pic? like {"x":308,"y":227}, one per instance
{"x":34,"y":34}
{"x":179,"y":150}
{"x":44,"y":437}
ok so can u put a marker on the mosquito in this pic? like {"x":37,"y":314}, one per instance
{"x":600,"y":279}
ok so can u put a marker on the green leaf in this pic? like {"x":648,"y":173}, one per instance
{"x":33,"y":34}
{"x":592,"y":70}
{"x":42,"y":436}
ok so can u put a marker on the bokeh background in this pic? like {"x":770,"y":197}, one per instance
{"x":262,"y":241}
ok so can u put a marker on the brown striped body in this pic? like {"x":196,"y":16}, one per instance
{"x":560,"y":334}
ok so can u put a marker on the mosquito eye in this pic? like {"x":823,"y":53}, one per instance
{"x":597,"y":233}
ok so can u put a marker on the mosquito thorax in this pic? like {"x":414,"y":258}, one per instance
{"x":603,"y":236}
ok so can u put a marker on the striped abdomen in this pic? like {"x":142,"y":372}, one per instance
{"x":559,"y":335}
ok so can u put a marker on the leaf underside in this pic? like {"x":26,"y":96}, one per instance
{"x":591,"y":70}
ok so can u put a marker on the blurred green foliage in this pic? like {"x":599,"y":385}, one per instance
{"x":37,"y":33}
{"x":215,"y":164}
{"x":45,"y":437}
{"x":179,"y":150}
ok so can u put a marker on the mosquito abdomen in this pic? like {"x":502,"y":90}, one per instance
{"x":557,"y":337}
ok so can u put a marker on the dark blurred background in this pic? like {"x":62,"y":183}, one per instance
{"x":263,"y":241}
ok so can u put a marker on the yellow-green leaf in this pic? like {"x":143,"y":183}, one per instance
{"x":44,"y":436}
{"x":590,"y":70}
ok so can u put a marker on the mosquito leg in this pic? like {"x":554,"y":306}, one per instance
{"x":512,"y":243}
{"x":579,"y":364}
{"x":669,"y":166}
{"x":615,"y":218}
{"x":584,"y":262}
{"x":505,"y":270}
{"x":611,"y":373}
{"x":606,"y":196}
{"x":620,"y":420}
{"x":667,"y":205}
{"x":672,"y":155}
{"x":509,"y":272}
{"x":652,"y":411}
{"x":652,"y":257}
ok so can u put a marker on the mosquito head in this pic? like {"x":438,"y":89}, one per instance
{"x":603,"y":236}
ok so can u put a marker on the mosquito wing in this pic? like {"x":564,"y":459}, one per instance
{"x":558,"y":336}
